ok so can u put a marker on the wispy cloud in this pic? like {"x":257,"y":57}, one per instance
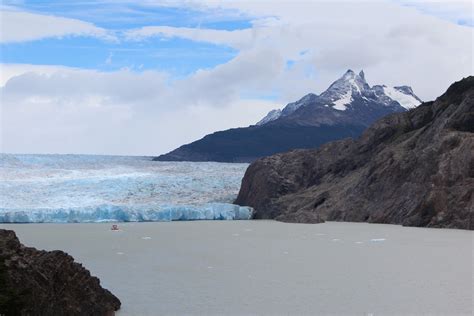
{"x":460,"y":12}
{"x":21,"y":26}
{"x":238,"y":39}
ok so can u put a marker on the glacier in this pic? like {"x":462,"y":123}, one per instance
{"x":88,"y":188}
{"x":116,"y":213}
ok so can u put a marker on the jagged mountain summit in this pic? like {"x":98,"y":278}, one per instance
{"x":351,"y":92}
{"x":344,"y":110}
{"x":414,"y":168}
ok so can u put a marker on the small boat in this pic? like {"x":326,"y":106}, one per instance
{"x":114,"y":227}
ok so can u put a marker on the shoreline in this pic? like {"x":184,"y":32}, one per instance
{"x":232,"y":220}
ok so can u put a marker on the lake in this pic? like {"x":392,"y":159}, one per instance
{"x":270,"y":268}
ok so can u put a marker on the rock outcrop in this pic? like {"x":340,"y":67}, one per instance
{"x":414,"y":168}
{"x":35,"y":282}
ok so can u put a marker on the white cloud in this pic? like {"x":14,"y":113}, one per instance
{"x":396,"y":44}
{"x":8,"y":71}
{"x":237,"y":39}
{"x":122,"y":112}
{"x":21,"y":26}
{"x":48,"y":109}
{"x":457,"y":11}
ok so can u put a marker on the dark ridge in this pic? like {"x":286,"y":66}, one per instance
{"x":249,"y":144}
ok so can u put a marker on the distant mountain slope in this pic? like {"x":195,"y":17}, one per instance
{"x":414,"y":168}
{"x":344,"y":110}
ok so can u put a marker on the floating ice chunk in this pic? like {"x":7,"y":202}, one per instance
{"x":336,"y":239}
{"x":359,"y":242}
{"x":146,"y":238}
{"x":320,"y":234}
{"x":120,"y":253}
{"x":236,"y":235}
{"x":377,"y":239}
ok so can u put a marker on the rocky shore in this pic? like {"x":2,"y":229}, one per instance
{"x":36,"y":282}
{"x":414,"y":168}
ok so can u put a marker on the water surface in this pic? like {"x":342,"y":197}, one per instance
{"x":271,"y":268}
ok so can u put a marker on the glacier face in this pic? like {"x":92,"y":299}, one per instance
{"x":85,"y":188}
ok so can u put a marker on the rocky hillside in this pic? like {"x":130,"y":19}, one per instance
{"x":345,"y":109}
{"x":34,"y":282}
{"x":414,"y":168}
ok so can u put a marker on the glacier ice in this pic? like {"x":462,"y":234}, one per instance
{"x":84,"y":188}
{"x":112,"y":213}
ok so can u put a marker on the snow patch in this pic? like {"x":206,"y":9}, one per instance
{"x":405,"y":100}
{"x":341,"y":104}
{"x":271,"y":116}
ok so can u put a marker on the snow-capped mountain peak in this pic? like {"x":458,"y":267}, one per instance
{"x":342,"y":91}
{"x":288,"y":109}
{"x":271,"y":116}
{"x":351,"y":91}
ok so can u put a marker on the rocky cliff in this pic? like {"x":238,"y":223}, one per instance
{"x":414,"y":168}
{"x":34,"y":282}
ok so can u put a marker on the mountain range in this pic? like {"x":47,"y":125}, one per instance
{"x":345,"y":109}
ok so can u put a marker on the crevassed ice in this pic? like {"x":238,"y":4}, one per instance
{"x":116,"y":213}
{"x":85,"y":188}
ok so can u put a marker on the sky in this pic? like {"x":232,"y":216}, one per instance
{"x":144,"y":77}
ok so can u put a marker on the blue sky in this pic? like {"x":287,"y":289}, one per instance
{"x":178,"y":56}
{"x":175,"y":55}
{"x":121,"y":15}
{"x":143,"y":77}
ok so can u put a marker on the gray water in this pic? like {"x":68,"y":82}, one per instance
{"x":271,"y":268}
